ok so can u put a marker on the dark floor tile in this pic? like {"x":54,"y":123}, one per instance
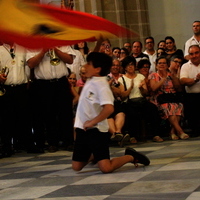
{"x":87,"y":190}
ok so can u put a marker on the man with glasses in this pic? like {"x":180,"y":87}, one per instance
{"x":195,"y":39}
{"x":175,"y":65}
{"x":150,"y":51}
{"x":190,"y":77}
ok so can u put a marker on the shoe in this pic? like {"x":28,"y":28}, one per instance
{"x":7,"y":152}
{"x":52,"y":149}
{"x":138,"y":157}
{"x":174,"y":136}
{"x":124,"y":140}
{"x":157,"y":139}
{"x":133,"y":140}
{"x":184,"y":136}
{"x":117,"y":137}
{"x":70,"y":148}
{"x":35,"y":150}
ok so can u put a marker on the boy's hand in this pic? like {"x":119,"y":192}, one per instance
{"x":88,"y":124}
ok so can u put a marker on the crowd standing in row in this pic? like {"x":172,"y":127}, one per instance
{"x":43,"y":88}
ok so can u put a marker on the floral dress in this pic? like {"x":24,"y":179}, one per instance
{"x":166,"y":109}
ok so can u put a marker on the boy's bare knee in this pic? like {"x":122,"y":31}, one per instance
{"x":76,"y":166}
{"x":106,"y":170}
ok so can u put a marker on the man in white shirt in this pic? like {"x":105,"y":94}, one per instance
{"x":150,"y":51}
{"x":195,"y":39}
{"x":77,"y":63}
{"x":16,"y":124}
{"x":51,"y":96}
{"x":190,"y":77}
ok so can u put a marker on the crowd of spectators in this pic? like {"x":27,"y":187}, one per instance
{"x":151,"y":87}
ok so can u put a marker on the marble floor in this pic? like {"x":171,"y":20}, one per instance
{"x":174,"y":174}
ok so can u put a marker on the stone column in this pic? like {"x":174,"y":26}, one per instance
{"x":132,"y":14}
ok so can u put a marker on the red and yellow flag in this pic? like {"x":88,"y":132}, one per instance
{"x":44,"y":26}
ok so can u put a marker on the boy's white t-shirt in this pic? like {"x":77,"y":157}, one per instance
{"x":96,"y":93}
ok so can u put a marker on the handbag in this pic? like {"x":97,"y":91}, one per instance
{"x":177,"y":97}
{"x":137,"y":100}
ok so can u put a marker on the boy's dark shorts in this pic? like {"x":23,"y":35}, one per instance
{"x":90,"y":142}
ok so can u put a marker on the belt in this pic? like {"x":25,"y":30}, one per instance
{"x":14,"y":86}
{"x":52,"y":80}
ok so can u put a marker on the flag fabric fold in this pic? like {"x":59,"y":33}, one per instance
{"x":44,"y":26}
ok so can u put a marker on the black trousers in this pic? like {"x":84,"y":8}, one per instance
{"x":15,"y":118}
{"x":142,"y":119}
{"x":192,"y":111}
{"x":52,"y":115}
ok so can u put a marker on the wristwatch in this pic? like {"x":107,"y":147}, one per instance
{"x":196,"y":80}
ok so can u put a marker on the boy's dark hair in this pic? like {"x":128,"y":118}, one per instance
{"x":127,"y":60}
{"x":101,"y":60}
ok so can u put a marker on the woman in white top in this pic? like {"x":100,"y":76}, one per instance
{"x":134,"y":92}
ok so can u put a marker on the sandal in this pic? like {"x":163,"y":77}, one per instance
{"x":117,"y":137}
{"x":174,"y":136}
{"x":133,"y":140}
{"x":157,"y":139}
{"x":184,"y":136}
{"x":124,"y":140}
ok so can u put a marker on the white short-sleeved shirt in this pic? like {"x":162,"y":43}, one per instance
{"x":189,"y":70}
{"x":18,"y":71}
{"x":47,"y":71}
{"x":191,"y":41}
{"x":96,"y":93}
{"x":152,"y":59}
{"x":135,"y":92}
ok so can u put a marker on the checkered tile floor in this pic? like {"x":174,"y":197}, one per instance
{"x":174,"y":174}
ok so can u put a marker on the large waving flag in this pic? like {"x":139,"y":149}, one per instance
{"x":44,"y":26}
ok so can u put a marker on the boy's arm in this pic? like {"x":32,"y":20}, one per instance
{"x":106,"y":111}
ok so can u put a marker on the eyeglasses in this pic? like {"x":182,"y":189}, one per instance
{"x":195,"y":53}
{"x":106,"y":45}
{"x":146,"y":67}
{"x":117,"y":52}
{"x":130,"y":64}
{"x":115,"y":65}
{"x":169,"y":42}
{"x":176,"y":61}
{"x":160,"y":63}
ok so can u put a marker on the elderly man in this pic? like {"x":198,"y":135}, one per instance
{"x":190,"y":77}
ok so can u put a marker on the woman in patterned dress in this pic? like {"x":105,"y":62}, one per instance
{"x":162,"y":82}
